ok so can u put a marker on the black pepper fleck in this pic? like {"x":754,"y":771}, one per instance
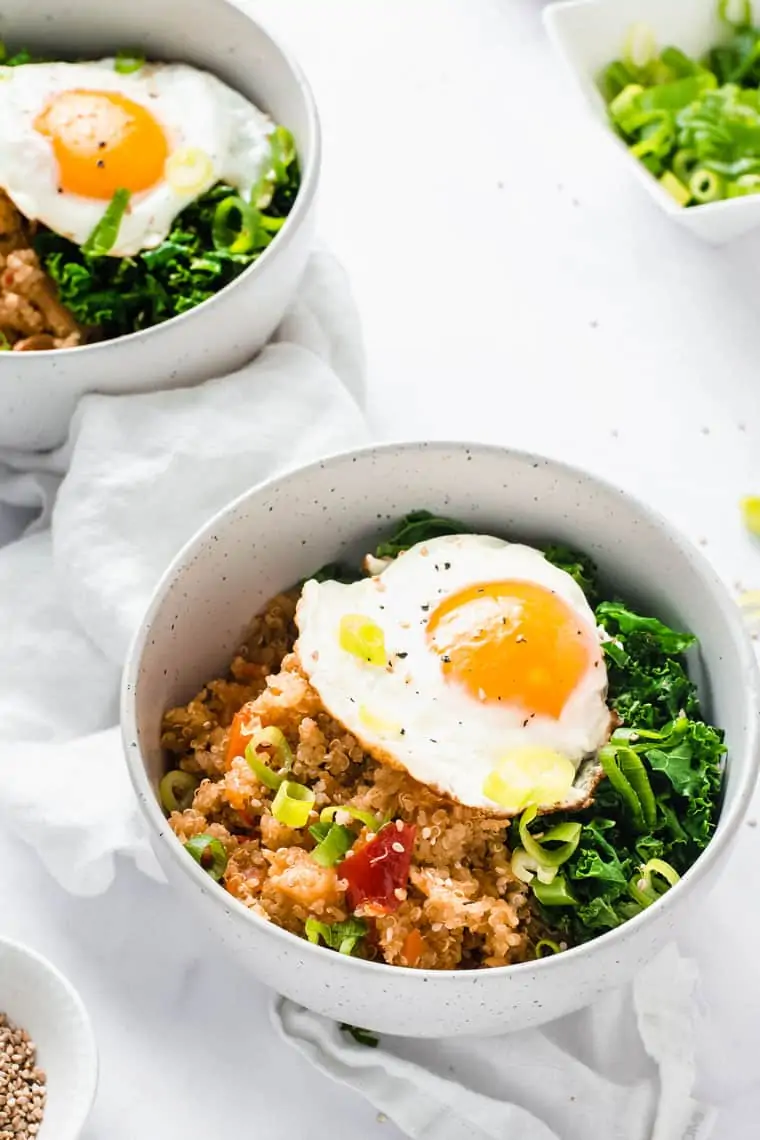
{"x":446,"y":659}
{"x":402,"y":655}
{"x":402,"y":732}
{"x":425,"y":608}
{"x":447,"y":565}
{"x":100,"y":162}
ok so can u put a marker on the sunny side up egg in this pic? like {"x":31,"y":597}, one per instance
{"x":71,"y":134}
{"x":473,"y":663}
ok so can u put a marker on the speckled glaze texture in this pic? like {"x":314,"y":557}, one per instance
{"x":278,"y":533}
{"x":39,"y":391}
{"x":37,"y":998}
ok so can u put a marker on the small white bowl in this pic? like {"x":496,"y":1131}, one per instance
{"x":589,"y":34}
{"x":37,"y":998}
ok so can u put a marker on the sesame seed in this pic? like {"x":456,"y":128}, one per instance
{"x":399,"y":825}
{"x":398,"y":847}
{"x":400,"y":893}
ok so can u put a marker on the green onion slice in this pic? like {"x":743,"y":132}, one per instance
{"x":271,"y":740}
{"x":608,"y":760}
{"x":706,"y":186}
{"x":750,"y":507}
{"x":363,"y":638}
{"x":340,"y":936}
{"x":235,"y":225}
{"x":5,"y":344}
{"x":176,"y":790}
{"x":684,"y":162}
{"x":526,"y":868}
{"x":565,"y":835}
{"x":640,"y":46}
{"x":293,"y":804}
{"x":735,"y":13}
{"x":101,"y":240}
{"x":209,"y":852}
{"x":636,"y":774}
{"x":546,"y":948}
{"x":333,"y":846}
{"x":327,"y":815}
{"x":646,"y":889}
{"x":128,"y":61}
{"x":556,"y":893}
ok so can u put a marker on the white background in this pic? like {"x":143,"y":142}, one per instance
{"x":516,"y":287}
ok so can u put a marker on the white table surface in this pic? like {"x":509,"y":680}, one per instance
{"x":516,"y":287}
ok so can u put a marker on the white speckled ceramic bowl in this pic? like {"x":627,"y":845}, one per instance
{"x":39,"y":390}
{"x":37,"y":998}
{"x":278,"y":533}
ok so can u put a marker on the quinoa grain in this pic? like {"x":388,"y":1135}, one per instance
{"x":22,"y":1084}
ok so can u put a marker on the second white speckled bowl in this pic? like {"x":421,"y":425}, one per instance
{"x":40,"y":390}
{"x":277,"y":534}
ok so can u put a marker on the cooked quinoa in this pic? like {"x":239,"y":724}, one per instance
{"x":461,"y":897}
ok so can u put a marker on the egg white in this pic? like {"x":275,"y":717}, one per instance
{"x":408,"y":714}
{"x":194,"y":108}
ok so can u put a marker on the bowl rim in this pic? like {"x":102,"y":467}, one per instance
{"x":91,"y":1064}
{"x":728,"y":821}
{"x":552,"y":20}
{"x":307,"y":189}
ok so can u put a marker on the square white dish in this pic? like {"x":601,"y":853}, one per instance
{"x":589,"y":34}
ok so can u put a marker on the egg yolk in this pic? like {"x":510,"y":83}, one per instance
{"x":515,"y":642}
{"x":103,"y":142}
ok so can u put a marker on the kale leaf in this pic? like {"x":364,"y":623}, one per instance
{"x":578,"y":566}
{"x":418,"y":526}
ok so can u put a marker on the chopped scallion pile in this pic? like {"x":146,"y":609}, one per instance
{"x":693,"y":122}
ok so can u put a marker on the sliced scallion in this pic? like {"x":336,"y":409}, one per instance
{"x":363,"y":638}
{"x":333,"y":846}
{"x":750,"y":508}
{"x":556,"y":893}
{"x":128,"y":62}
{"x":706,"y":186}
{"x":655,"y":878}
{"x":293,"y":804}
{"x":235,"y":226}
{"x":176,"y":790}
{"x":640,"y":46}
{"x":209,"y":852}
{"x":269,"y":741}
{"x":736,"y":13}
{"x":327,"y":815}
{"x":565,"y":835}
{"x":340,"y":936}
{"x":102,"y":239}
{"x":546,"y":948}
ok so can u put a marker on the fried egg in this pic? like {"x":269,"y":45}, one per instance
{"x":71,"y":134}
{"x":472,"y":663}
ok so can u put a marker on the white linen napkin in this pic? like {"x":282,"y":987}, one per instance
{"x":623,"y":1069}
{"x":137,"y":476}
